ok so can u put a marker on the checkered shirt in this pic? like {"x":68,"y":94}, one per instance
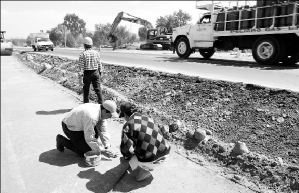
{"x":90,"y":60}
{"x":142,"y":137}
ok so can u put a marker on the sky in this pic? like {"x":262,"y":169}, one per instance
{"x":20,"y":18}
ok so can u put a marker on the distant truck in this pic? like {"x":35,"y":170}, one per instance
{"x":270,"y":29}
{"x":6,"y":46}
{"x":41,"y":41}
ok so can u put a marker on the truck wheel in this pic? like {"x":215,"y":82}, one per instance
{"x":34,"y":48}
{"x":183,"y":49}
{"x":207,"y":53}
{"x":52,"y":49}
{"x":267,"y":51}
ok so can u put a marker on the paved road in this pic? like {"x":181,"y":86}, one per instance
{"x":222,"y":66}
{"x":32,"y":108}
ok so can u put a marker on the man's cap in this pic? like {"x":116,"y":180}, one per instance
{"x":88,"y":41}
{"x":111,"y":107}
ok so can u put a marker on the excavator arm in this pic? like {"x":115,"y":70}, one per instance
{"x":126,"y":17}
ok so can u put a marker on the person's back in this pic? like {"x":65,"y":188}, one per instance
{"x":146,"y":138}
{"x":91,"y":59}
{"x":90,"y":64}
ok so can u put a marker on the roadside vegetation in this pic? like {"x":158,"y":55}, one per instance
{"x":72,"y":30}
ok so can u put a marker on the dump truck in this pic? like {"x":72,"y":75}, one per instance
{"x":269,"y":28}
{"x":6,"y":46}
{"x":41,"y":41}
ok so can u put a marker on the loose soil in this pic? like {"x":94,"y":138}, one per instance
{"x":266,"y":120}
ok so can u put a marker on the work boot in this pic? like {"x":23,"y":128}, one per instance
{"x":142,"y":174}
{"x":59,"y":143}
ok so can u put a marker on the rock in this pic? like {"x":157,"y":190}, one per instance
{"x":239,"y":148}
{"x":173,"y":127}
{"x":221,"y":149}
{"x":208,"y":132}
{"x":188,"y":104}
{"x":280,"y":119}
{"x":237,"y":177}
{"x":29,"y":57}
{"x":164,"y":128}
{"x":294,"y":185}
{"x":200,"y":134}
{"x":47,"y":66}
{"x":293,"y":168}
{"x":294,"y":161}
{"x":275,"y":178}
{"x":189,"y":134}
{"x":279,"y":160}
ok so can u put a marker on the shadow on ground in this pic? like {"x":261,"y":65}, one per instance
{"x":55,"y":112}
{"x":56,"y":158}
{"x":128,"y":183}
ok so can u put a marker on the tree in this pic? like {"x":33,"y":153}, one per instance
{"x":100,"y":34}
{"x":74,"y":24}
{"x":70,"y":40}
{"x":175,"y":20}
{"x":102,"y":30}
{"x":142,"y":33}
{"x":56,"y":36}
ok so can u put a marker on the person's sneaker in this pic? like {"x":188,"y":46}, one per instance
{"x":59,"y":145}
{"x":142,"y":174}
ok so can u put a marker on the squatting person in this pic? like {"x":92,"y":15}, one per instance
{"x":142,"y":142}
{"x":83,"y":125}
{"x":91,"y":66}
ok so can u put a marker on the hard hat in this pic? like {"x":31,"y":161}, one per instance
{"x":88,"y":41}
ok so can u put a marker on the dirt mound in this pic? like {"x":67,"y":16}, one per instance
{"x":266,"y":120}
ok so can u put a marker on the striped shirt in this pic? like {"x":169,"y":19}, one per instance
{"x":90,"y":60}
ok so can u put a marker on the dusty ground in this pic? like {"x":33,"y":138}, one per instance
{"x":266,"y":120}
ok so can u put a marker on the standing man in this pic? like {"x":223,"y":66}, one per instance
{"x":83,"y":125}
{"x":142,"y":142}
{"x":91,"y":66}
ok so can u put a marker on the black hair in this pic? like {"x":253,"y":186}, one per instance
{"x":128,"y":109}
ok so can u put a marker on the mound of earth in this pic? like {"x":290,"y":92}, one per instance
{"x":265,"y":120}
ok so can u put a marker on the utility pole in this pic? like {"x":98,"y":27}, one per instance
{"x":64,"y":30}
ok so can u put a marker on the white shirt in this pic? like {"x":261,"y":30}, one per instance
{"x":84,"y":118}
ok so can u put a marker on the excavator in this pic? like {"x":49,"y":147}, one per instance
{"x":154,"y":36}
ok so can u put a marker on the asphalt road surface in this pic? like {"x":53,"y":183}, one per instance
{"x":222,"y":66}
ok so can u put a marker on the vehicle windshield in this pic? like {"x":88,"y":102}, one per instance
{"x":2,"y":37}
{"x":43,"y":39}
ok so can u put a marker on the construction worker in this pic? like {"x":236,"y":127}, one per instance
{"x":83,"y":125}
{"x":91,"y":70}
{"x":142,"y":142}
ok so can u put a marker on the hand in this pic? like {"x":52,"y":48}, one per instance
{"x":108,"y":153}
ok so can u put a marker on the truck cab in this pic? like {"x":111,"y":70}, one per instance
{"x":41,"y":41}
{"x":200,"y":36}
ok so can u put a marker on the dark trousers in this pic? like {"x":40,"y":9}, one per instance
{"x":76,"y":141}
{"x":92,"y":77}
